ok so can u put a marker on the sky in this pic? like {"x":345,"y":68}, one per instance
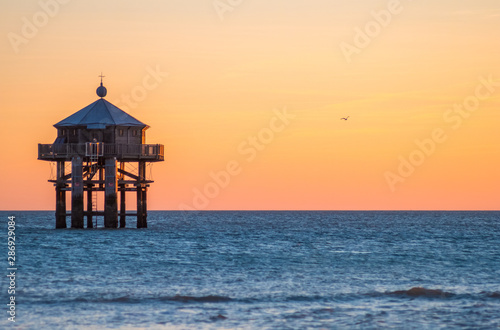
{"x":247,"y":96}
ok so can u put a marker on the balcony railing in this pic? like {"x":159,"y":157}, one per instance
{"x":131,"y":152}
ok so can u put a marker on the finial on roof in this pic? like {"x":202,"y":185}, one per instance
{"x":101,"y":90}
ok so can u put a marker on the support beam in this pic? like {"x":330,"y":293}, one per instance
{"x":125,"y":173}
{"x":90,"y":208}
{"x":123,"y":207}
{"x":144,"y":208}
{"x":101,"y":176}
{"x":141,"y":206}
{"x":121,"y":169}
{"x":77,"y":192}
{"x":110,"y":194}
{"x":60,"y":197}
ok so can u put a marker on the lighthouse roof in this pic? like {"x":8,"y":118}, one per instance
{"x":99,"y":115}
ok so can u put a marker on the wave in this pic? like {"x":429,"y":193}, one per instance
{"x":305,"y":298}
{"x":415,"y":292}
{"x":422,"y":292}
{"x":495,"y":295}
{"x":133,"y":300}
{"x":207,"y":299}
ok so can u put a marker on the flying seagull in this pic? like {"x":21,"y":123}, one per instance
{"x":344,"y":118}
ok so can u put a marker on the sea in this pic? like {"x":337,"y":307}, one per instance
{"x":256,"y":270}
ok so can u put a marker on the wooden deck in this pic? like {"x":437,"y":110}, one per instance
{"x":122,"y":152}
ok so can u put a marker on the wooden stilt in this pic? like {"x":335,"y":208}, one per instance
{"x":101,"y":177}
{"x":77,"y":192}
{"x":140,"y":196}
{"x":110,"y":195}
{"x":144,"y":208}
{"x":60,"y":207}
{"x":139,"y":207}
{"x":90,"y":223}
{"x":123,"y":207}
{"x":60,"y":197}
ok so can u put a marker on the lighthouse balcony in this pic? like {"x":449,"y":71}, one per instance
{"x":122,"y":152}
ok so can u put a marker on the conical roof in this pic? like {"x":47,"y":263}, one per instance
{"x":99,"y":115}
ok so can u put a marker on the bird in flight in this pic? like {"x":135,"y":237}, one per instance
{"x":345,"y":118}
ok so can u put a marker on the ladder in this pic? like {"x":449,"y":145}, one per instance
{"x":94,"y":159}
{"x":93,"y":151}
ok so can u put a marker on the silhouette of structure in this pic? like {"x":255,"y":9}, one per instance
{"x":98,"y":142}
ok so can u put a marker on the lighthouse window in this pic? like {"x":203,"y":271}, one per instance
{"x":120,"y":132}
{"x":74,"y":131}
{"x":135,"y":132}
{"x":63,"y":132}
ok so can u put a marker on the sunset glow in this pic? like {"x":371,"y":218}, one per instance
{"x":247,"y":98}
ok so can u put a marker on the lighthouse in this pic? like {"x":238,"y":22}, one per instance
{"x":100,"y":149}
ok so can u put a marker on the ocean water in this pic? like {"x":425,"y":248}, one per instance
{"x":259,"y":270}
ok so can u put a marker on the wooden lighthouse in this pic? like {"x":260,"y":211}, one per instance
{"x":100,"y":148}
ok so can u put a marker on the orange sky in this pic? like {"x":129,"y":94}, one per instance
{"x":260,"y":86}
